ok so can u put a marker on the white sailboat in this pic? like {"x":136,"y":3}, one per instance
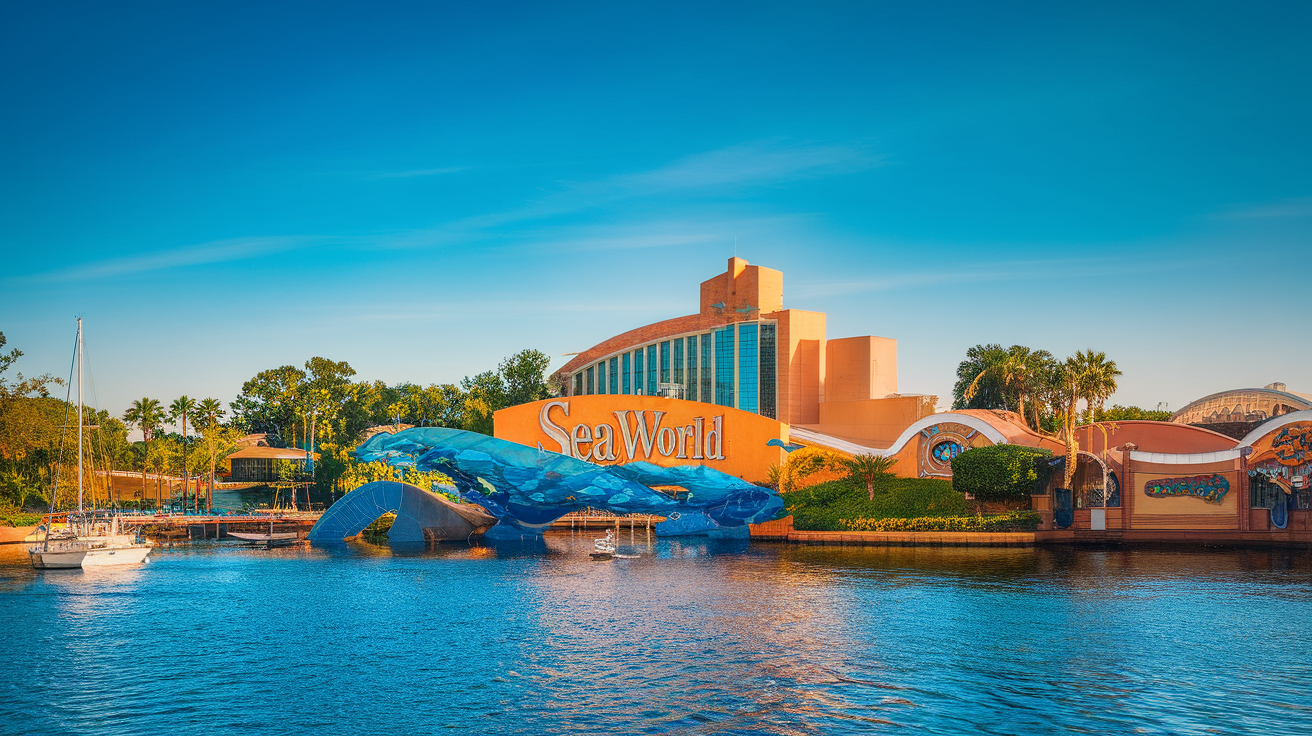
{"x":90,"y":539}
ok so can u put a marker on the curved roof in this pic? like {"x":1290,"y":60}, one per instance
{"x":637,"y":336}
{"x":1267,"y":428}
{"x":1152,"y":436}
{"x":1260,"y":401}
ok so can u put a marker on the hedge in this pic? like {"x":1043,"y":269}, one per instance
{"x":20,"y":519}
{"x":1016,"y":521}
{"x":1000,"y":472}
{"x":823,"y":506}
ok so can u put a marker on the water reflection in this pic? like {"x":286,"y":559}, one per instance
{"x":690,"y":636}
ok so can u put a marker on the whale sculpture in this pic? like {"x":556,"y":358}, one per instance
{"x":527,"y":488}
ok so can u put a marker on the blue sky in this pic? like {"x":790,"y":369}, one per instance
{"x":424,"y":189}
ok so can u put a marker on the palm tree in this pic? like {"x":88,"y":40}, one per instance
{"x":148,"y":416}
{"x":868,"y":468}
{"x":207,"y":416}
{"x":180,"y":410}
{"x":1016,"y":377}
{"x":1099,"y":380}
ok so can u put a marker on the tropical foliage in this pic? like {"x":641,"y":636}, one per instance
{"x":824,"y":506}
{"x":869,"y":469}
{"x":1000,"y":473}
{"x":1015,"y":521}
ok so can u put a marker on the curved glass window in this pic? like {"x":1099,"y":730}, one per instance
{"x":945,"y":451}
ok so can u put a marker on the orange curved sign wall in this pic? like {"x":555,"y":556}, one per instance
{"x":617,"y":429}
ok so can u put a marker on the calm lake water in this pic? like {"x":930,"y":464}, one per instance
{"x":689,"y":638}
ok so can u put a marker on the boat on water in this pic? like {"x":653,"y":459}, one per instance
{"x":604,"y":548}
{"x":270,"y":538}
{"x":90,"y":539}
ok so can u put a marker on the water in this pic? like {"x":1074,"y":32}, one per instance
{"x":691,"y":638}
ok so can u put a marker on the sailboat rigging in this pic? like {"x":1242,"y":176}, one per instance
{"x":91,"y":539}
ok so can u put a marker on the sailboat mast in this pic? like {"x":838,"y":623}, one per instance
{"x":79,"y":415}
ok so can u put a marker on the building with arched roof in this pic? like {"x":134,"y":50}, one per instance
{"x":1239,"y":411}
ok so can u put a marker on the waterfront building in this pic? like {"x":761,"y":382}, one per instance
{"x":259,"y":463}
{"x":1239,"y":411}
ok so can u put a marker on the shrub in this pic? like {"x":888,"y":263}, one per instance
{"x":1016,"y":521}
{"x":1000,"y":472}
{"x":823,"y":506}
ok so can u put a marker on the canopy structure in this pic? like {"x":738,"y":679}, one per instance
{"x":526,"y":488}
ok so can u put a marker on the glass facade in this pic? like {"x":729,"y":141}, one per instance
{"x":707,"y":366}
{"x":676,"y":375}
{"x":769,"y":370}
{"x":690,"y":381}
{"x":747,"y":367}
{"x":735,"y":365}
{"x":651,"y":370}
{"x":724,"y":366}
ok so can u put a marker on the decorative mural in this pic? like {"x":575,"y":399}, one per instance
{"x":942,"y":442}
{"x":1211,"y":488}
{"x":527,"y":488}
{"x":1293,"y":445}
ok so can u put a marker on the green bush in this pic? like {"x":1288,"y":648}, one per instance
{"x":823,"y":506}
{"x":1000,"y":472}
{"x":19,"y":518}
{"x":1016,"y":521}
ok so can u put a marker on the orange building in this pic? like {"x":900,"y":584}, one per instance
{"x":743,"y":350}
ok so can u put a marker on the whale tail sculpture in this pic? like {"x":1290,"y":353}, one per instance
{"x":525,"y":489}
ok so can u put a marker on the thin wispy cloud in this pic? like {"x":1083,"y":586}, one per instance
{"x":756,"y":164}
{"x":1010,"y":271}
{"x":1286,"y":208}
{"x":217,"y":251}
{"x":417,"y":172}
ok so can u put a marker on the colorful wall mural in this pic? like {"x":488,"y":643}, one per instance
{"x":1211,"y":488}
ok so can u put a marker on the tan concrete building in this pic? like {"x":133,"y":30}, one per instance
{"x":744,"y":350}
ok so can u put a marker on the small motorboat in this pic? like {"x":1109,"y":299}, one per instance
{"x":604,"y":548}
{"x":270,"y":539}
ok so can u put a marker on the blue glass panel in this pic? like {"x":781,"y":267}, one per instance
{"x":676,"y":364}
{"x":638,"y":376}
{"x":652,"y":368}
{"x":624,"y":383}
{"x":707,"y":378}
{"x":724,"y":366}
{"x":747,"y":362}
{"x":665,"y":362}
{"x":578,"y":383}
{"x":769,"y":371}
{"x":614,"y":375}
{"x":690,"y":383}
{"x":591,"y":386}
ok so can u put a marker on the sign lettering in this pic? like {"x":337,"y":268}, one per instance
{"x":641,"y":435}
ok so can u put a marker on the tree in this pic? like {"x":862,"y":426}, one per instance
{"x":180,"y":411}
{"x":980,"y":375}
{"x":1018,"y":378}
{"x":868,"y":468}
{"x":209,"y":412}
{"x":269,"y":403}
{"x":147,"y":415}
{"x":1000,"y":472}
{"x":523,"y":377}
{"x":1098,"y":381}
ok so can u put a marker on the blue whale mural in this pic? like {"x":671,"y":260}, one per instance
{"x":527,"y":488}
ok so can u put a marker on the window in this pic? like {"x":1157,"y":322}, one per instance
{"x":707,"y":378}
{"x":601,"y":377}
{"x":677,"y":363}
{"x":690,"y":385}
{"x":748,"y":356}
{"x":769,"y":367}
{"x":724,"y":366}
{"x":637,"y":371}
{"x":590,"y":385}
{"x":624,"y":382}
{"x":943,"y":452}
{"x":1262,"y":493}
{"x":578,"y":383}
{"x":652,"y":368}
{"x":665,"y":362}
{"x":614,"y":375}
